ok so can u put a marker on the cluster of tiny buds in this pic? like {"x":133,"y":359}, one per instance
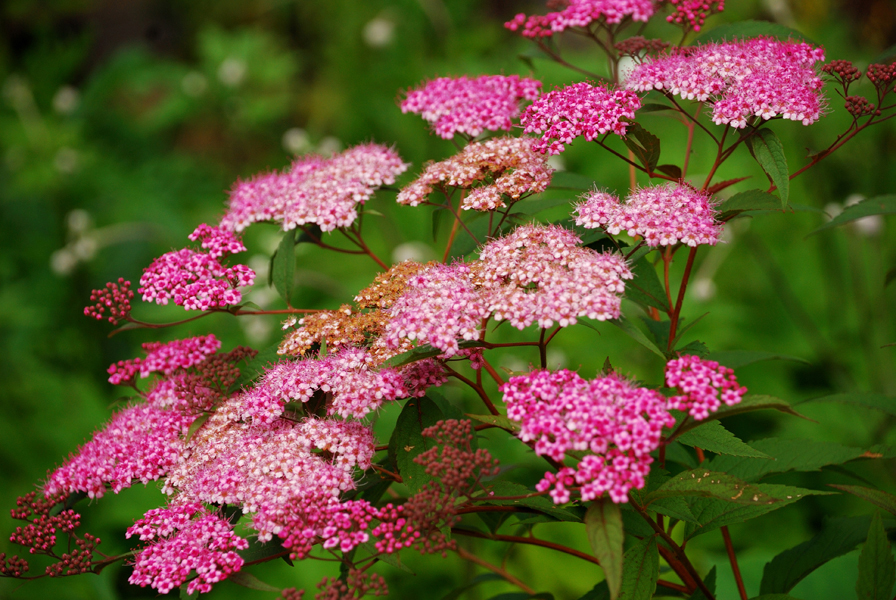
{"x":115,"y":297}
{"x":39,"y":536}
{"x":13,"y":566}
{"x":452,"y":461}
{"x":357,"y":585}
{"x":78,"y":561}
{"x":693,"y":13}
{"x":640,"y":46}
{"x":881,"y":76}
{"x":842,"y":70}
{"x":858,"y":106}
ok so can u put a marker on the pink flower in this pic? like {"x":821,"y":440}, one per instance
{"x":760,"y":77}
{"x":663,"y":215}
{"x":470,"y":105}
{"x":693,"y":13}
{"x":581,"y":13}
{"x":578,"y":110}
{"x":315,"y":191}
{"x":116,"y":297}
{"x":165,"y":358}
{"x":704,"y":384}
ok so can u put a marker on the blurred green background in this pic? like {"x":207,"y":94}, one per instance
{"x":123,"y":125}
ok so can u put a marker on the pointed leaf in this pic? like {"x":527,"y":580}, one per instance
{"x":879,"y":205}
{"x":774,"y":597}
{"x":283,"y":266}
{"x":838,"y":537}
{"x":499,"y":421}
{"x":599,"y":592}
{"x":788,"y":455}
{"x":747,"y":404}
{"x":636,"y":334}
{"x":722,"y":486}
{"x":407,"y":441}
{"x":252,"y":582}
{"x":741,"y":358}
{"x":877,"y":570}
{"x":714,"y":437}
{"x":768,"y":151}
{"x":659,"y":331}
{"x":747,"y":201}
{"x":645,"y":288}
{"x":524,"y":497}
{"x":603,"y":524}
{"x":424,"y":351}
{"x":256,"y":367}
{"x":748,"y":29}
{"x":882,"y":499}
{"x":670,"y":170}
{"x":674,"y":507}
{"x":873,"y":400}
{"x":709,"y":582}
{"x":644,"y":145}
{"x":640,"y":570}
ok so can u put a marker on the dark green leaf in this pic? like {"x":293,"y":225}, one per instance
{"x":603,"y":524}
{"x":711,"y":484}
{"x":676,"y":453}
{"x":499,"y":421}
{"x":748,"y":29}
{"x":640,"y":570}
{"x":636,"y":334}
{"x":879,"y":205}
{"x":877,"y":570}
{"x":533,"y":207}
{"x":644,"y":145}
{"x":196,"y":424}
{"x":788,"y":455}
{"x":714,"y":437}
{"x":838,"y":537}
{"x":882,"y":499}
{"x":565,"y":180}
{"x":533,"y":501}
{"x":747,"y":404}
{"x":248,"y":580}
{"x":655,"y":107}
{"x":890,"y":278}
{"x":424,"y":351}
{"x":407,"y":441}
{"x":768,"y":151}
{"x":283,"y":266}
{"x":599,"y":592}
{"x":709,"y":582}
{"x":463,"y":242}
{"x":873,"y":400}
{"x":747,"y":201}
{"x":674,"y":507}
{"x":696,"y":348}
{"x":741,"y":358}
{"x":645,"y":288}
{"x":485,"y":577}
{"x":393,"y":560}
{"x":670,"y":170}
{"x":258,"y":551}
{"x":659,"y":331}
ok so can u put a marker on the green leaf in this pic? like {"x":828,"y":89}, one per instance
{"x":709,"y":582}
{"x":565,"y":180}
{"x":877,"y":497}
{"x":885,"y":57}
{"x":603,"y":524}
{"x":747,"y":201}
{"x":196,"y":424}
{"x":877,"y":570}
{"x":712,"y":484}
{"x":879,"y":205}
{"x":533,"y":207}
{"x":485,"y":577}
{"x":499,"y":421}
{"x":710,"y":514}
{"x":659,"y":331}
{"x":674,"y":507}
{"x":636,"y":334}
{"x":749,"y":29}
{"x":283,"y":266}
{"x":714,"y":437}
{"x":768,"y":151}
{"x":645,"y":288}
{"x":696,"y":347}
{"x":747,"y":404}
{"x":670,"y":170}
{"x":535,"y":501}
{"x":248,"y":580}
{"x":788,"y":455}
{"x":655,"y":107}
{"x":788,"y":568}
{"x":741,"y":358}
{"x":644,"y":145}
{"x":424,"y":351}
{"x":393,"y":560}
{"x":407,"y":441}
{"x":599,"y":592}
{"x":256,"y":367}
{"x":872,"y":400}
{"x":640,"y":570}
{"x":463,"y":242}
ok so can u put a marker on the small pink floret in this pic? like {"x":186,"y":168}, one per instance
{"x":581,"y":13}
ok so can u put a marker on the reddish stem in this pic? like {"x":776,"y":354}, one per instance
{"x":680,"y":302}
{"x":732,"y":558}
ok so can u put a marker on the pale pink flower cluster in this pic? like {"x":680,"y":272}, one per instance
{"x":541,"y":274}
{"x":581,"y":13}
{"x":663,"y":215}
{"x":510,"y":166}
{"x":197,"y":280}
{"x":185,"y":539}
{"x":580,"y":109}
{"x":470,"y":105}
{"x":704,"y":384}
{"x":315,"y":190}
{"x":760,"y":77}
{"x":693,"y":12}
{"x":164,"y":358}
{"x":615,"y":422}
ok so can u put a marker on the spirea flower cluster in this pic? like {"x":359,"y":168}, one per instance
{"x":663,"y":215}
{"x":509,"y":168}
{"x":115,"y":297}
{"x":759,"y":77}
{"x":693,"y":13}
{"x":580,"y":13}
{"x":470,"y":105}
{"x":578,"y":110}
{"x":197,"y":280}
{"x":704,"y":384}
{"x":164,"y":358}
{"x":314,"y":191}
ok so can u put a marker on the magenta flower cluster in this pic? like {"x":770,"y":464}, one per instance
{"x":760,"y":77}
{"x":164,"y":358}
{"x":470,"y":105}
{"x":581,"y":13}
{"x":578,"y":110}
{"x":115,"y":297}
{"x":693,"y":13}
{"x":195,"y":279}
{"x":315,"y":190}
{"x":663,"y":215}
{"x":704,"y":384}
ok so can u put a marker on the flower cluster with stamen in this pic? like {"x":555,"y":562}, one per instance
{"x":581,"y":13}
{"x":314,"y":191}
{"x":164,"y":358}
{"x":578,"y":110}
{"x":197,"y":280}
{"x":663,"y":215}
{"x":470,"y":105}
{"x":705,"y":386}
{"x":759,"y":77}
{"x":509,"y":168}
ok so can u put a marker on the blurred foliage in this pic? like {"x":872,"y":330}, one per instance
{"x":123,"y":125}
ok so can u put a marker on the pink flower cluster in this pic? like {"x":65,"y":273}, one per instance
{"x":197,"y":280}
{"x":760,"y":77}
{"x":470,"y":105}
{"x":510,"y":166}
{"x":185,"y":539}
{"x":116,"y":297}
{"x":693,"y":13}
{"x":580,"y":109}
{"x":663,"y":215}
{"x":315,"y":190}
{"x":540,"y":274}
{"x":615,"y":422}
{"x":581,"y":13}
{"x":164,"y":358}
{"x":704,"y":384}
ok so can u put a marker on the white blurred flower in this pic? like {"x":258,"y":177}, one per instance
{"x":232,"y":71}
{"x":66,"y":99}
{"x":296,"y":141}
{"x":378,"y":32}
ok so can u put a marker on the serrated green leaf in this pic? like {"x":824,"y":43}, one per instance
{"x":283,"y":266}
{"x":736,"y":359}
{"x":407,"y":441}
{"x":636,"y":334}
{"x":603,"y":525}
{"x":640,"y":570}
{"x":747,"y":404}
{"x":670,"y":170}
{"x":877,"y":497}
{"x":787,"y":455}
{"x":879,"y":205}
{"x":533,"y":207}
{"x":536,"y":502}
{"x":747,"y":201}
{"x":714,"y":437}
{"x":704,"y":483}
{"x":463,"y":242}
{"x":644,"y":145}
{"x":499,"y":421}
{"x":768,"y":151}
{"x":674,"y":507}
{"x":710,"y":514}
{"x":659,"y":331}
{"x":696,"y":348}
{"x":749,"y":29}
{"x":248,"y":580}
{"x":877,"y":570}
{"x":645,"y":288}
{"x":424,"y":351}
{"x":871,"y":400}
{"x":788,"y":568}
